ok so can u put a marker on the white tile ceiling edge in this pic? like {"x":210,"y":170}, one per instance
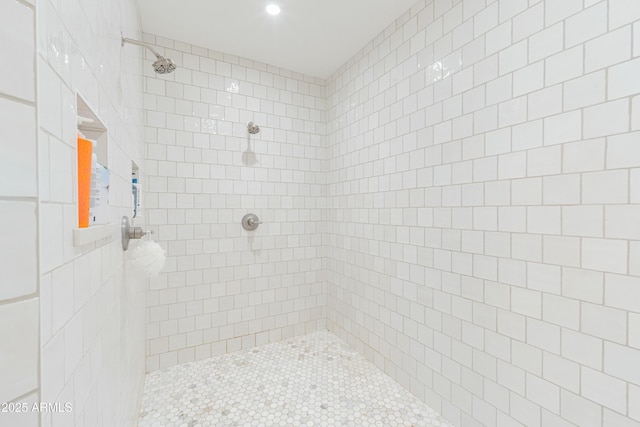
{"x":312,"y":37}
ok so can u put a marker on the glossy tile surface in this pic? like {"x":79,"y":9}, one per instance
{"x":18,"y":349}
{"x":225,"y":288}
{"x":17,"y":32}
{"x":312,"y":380}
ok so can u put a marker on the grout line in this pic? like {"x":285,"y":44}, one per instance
{"x":35,"y":391}
{"x":18,"y":100}
{"x":19,"y":299}
{"x":18,"y":199}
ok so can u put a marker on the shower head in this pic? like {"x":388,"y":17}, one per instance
{"x":161,"y":65}
{"x":253,"y":128}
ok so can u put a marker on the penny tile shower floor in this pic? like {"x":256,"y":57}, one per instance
{"x":312,"y":380}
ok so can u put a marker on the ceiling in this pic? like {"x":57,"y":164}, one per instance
{"x":313,"y":37}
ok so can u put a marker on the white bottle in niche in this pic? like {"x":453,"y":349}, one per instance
{"x":100,"y":177}
{"x":137,"y":197}
{"x":100,"y":208}
{"x":94,"y":180}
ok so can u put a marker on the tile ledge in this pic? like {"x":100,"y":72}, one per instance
{"x":84,"y":236}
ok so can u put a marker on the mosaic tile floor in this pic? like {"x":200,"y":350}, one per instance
{"x":313,"y":380}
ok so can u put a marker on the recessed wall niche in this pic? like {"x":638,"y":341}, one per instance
{"x":90,"y":127}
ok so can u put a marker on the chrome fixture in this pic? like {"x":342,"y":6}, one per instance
{"x":250,"y":222}
{"x":253,"y":128}
{"x":129,"y":232}
{"x":162,"y":65}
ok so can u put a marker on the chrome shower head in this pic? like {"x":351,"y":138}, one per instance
{"x":253,"y":128}
{"x":161,"y":65}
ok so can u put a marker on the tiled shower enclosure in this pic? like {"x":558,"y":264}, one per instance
{"x":458,"y":203}
{"x":454,"y":213}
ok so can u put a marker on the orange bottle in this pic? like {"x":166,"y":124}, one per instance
{"x":85,"y":148}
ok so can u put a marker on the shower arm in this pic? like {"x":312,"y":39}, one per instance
{"x":139,"y":43}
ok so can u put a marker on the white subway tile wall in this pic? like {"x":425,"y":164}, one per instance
{"x":91,"y":317}
{"x":482,"y":209}
{"x":459,"y":202}
{"x":19,"y":301}
{"x":225,"y":289}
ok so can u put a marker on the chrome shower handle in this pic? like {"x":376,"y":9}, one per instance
{"x":138,"y":232}
{"x":250,"y":222}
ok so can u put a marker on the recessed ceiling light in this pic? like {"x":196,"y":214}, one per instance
{"x":273,"y":9}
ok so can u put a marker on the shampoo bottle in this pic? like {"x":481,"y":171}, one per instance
{"x":85,"y":149}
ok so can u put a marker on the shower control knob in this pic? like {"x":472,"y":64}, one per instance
{"x":250,"y":222}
